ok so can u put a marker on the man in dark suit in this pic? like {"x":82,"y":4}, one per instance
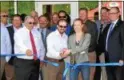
{"x":16,"y":24}
{"x":101,"y":25}
{"x":114,"y":45}
{"x":92,"y":29}
{"x":43,"y":29}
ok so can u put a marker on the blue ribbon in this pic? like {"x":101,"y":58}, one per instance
{"x":46,"y":61}
{"x":4,"y":55}
{"x":70,"y":66}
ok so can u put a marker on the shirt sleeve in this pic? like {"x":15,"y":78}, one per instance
{"x":52,"y":53}
{"x":8,"y":44}
{"x":19,"y":43}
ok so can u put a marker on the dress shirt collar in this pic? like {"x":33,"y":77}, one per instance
{"x":15,"y":29}
{"x":57,"y":33}
{"x":115,"y":21}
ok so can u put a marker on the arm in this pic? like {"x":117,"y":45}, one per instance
{"x":8,"y":44}
{"x":50,"y":48}
{"x":84,"y":47}
{"x":122,"y":40}
{"x":19,"y":43}
{"x":94,"y":35}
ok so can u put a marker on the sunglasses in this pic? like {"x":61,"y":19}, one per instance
{"x":62,"y":16}
{"x":4,"y":16}
{"x":62,"y":26}
{"x":31,"y":23}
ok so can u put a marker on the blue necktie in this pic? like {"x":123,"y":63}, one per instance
{"x":108,"y":35}
{"x":43,"y":35}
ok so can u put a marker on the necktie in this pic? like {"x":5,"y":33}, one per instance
{"x":101,"y":27}
{"x":108,"y":35}
{"x":43,"y":35}
{"x":33,"y":46}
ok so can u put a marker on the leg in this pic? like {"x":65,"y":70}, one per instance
{"x":61,"y":70}
{"x":52,"y":72}
{"x":23,"y":69}
{"x":74,"y":74}
{"x":110,"y":73}
{"x":2,"y":65}
{"x":35,"y":70}
{"x":92,"y":59}
{"x":103,"y":69}
{"x":44,"y":72}
{"x":97,"y":74}
{"x":85,"y":70}
{"x":9,"y":71}
{"x":118,"y":73}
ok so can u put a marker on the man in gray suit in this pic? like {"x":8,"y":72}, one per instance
{"x":43,"y":29}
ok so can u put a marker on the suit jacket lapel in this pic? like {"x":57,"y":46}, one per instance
{"x":115,"y":27}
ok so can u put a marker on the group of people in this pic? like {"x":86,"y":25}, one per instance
{"x":53,"y":38}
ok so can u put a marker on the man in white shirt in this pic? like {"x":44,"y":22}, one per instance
{"x":16,"y":25}
{"x":5,"y":48}
{"x":28,"y":41}
{"x":56,"y":43}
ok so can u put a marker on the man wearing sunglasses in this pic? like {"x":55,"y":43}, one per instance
{"x":56,"y":42}
{"x":63,"y":15}
{"x":28,"y":41}
{"x":4,"y":19}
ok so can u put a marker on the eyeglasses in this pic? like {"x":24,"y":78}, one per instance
{"x":4,"y":16}
{"x":31,"y":23}
{"x":62,"y":16}
{"x":62,"y":26}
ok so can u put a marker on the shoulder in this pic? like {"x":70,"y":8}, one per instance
{"x":52,"y":34}
{"x":4,"y":29}
{"x":20,"y":31}
{"x":88,"y":35}
{"x":71,"y":36}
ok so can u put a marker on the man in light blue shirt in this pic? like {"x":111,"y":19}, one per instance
{"x":5,"y":48}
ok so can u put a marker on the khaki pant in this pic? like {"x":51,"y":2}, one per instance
{"x":92,"y":59}
{"x":9,"y":72}
{"x":44,"y":72}
{"x":2,"y":66}
{"x":103,"y":73}
{"x":55,"y":73}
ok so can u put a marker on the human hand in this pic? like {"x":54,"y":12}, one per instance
{"x":29,"y":52}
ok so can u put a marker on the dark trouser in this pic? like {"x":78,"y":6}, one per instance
{"x":27,"y":69}
{"x":97,"y":75}
{"x":113,"y":72}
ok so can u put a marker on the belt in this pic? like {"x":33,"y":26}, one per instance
{"x":54,"y":60}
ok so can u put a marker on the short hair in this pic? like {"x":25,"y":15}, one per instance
{"x":62,"y":11}
{"x":43,"y":16}
{"x":62,"y":20}
{"x":105,"y":8}
{"x":27,"y":17}
{"x":16,"y":15}
{"x":85,"y":9}
{"x":84,"y":29}
{"x":115,"y":8}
